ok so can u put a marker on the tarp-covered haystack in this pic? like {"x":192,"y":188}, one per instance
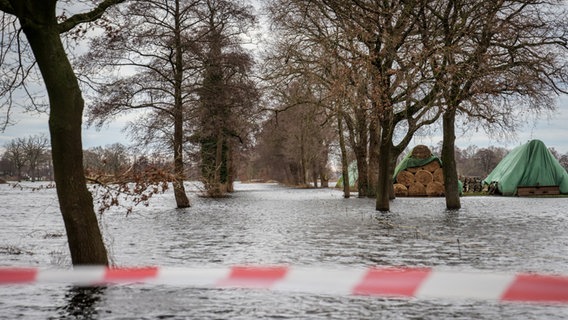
{"x":530,"y":165}
{"x":419,"y":174}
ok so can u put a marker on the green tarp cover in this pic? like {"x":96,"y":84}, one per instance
{"x":353,"y":176}
{"x":528,"y":165}
{"x":411,"y":162}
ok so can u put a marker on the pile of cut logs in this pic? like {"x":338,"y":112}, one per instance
{"x":426,"y":180}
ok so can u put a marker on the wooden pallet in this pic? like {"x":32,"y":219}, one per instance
{"x":527,"y":191}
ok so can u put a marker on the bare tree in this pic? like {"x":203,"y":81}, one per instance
{"x":295,"y":142}
{"x":110,"y":160}
{"x":310,"y":50}
{"x":35,"y":149}
{"x":564,"y":161}
{"x":487,"y":159}
{"x":16,"y":155}
{"x":148,"y":48}
{"x":381,"y":38}
{"x":492,"y":59}
{"x":176,"y":53}
{"x":42,"y":29}
{"x":227,"y":93}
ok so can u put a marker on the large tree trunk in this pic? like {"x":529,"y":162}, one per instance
{"x":303,"y":163}
{"x":344,"y":161}
{"x":66,"y":111}
{"x":374,"y":146}
{"x":361,"y":153}
{"x":385,"y":175}
{"x":323,"y":169}
{"x":392,"y":166}
{"x":182,"y":201}
{"x":230,"y":164}
{"x":449,"y":160}
{"x":362,"y":171}
{"x":218,"y":185}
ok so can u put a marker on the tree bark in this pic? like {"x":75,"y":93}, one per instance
{"x":303,"y":163}
{"x":182,"y":201}
{"x":66,"y":110}
{"x":361,"y":154}
{"x":392,"y":166}
{"x":374,"y":146}
{"x":449,"y":160}
{"x":344,"y":161}
{"x":362,"y":172}
{"x":230,"y":164}
{"x":218,"y":163}
{"x":384,"y":179}
{"x":323,"y":169}
{"x":315,"y":176}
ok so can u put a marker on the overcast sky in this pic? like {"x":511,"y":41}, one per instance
{"x":551,"y":129}
{"x":553,"y":132}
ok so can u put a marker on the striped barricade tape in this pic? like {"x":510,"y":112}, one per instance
{"x":422,"y":283}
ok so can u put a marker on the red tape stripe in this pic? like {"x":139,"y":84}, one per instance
{"x":17,"y":275}
{"x":402,"y":282}
{"x":130,"y":274}
{"x":253,"y":277}
{"x":394,"y":282}
{"x":537,"y":288}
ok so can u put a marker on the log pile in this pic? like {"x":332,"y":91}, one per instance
{"x":425,"y":180}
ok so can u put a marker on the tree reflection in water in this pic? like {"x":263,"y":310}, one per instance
{"x":81,"y":303}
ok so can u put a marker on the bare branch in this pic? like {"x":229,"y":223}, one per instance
{"x":90,"y":16}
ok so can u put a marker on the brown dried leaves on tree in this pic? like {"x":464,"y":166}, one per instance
{"x":129,"y":188}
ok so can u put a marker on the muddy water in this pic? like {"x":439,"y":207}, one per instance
{"x":269,"y":224}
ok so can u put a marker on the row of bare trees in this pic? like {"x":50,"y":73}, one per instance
{"x":382,"y":70}
{"x":27,"y":158}
{"x":294,"y":145}
{"x":181,"y":62}
{"x":290,"y":152}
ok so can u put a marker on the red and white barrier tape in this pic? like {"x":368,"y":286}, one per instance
{"x":422,"y":283}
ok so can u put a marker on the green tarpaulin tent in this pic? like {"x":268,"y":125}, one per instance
{"x":531,"y":164}
{"x":353,"y":176}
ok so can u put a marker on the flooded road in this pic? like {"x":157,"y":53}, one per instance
{"x":266,"y":224}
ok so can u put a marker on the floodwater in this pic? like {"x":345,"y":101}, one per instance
{"x":266,"y":224}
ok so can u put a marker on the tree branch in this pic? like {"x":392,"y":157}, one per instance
{"x":5,"y":6}
{"x":90,"y":16}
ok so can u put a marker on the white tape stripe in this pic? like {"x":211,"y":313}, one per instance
{"x":79,"y":276}
{"x":464,"y":285}
{"x":190,"y":277}
{"x":327,"y":281}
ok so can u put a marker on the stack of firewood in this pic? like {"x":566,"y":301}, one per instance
{"x":426,"y":180}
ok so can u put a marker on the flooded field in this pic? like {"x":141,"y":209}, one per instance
{"x":266,"y":224}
